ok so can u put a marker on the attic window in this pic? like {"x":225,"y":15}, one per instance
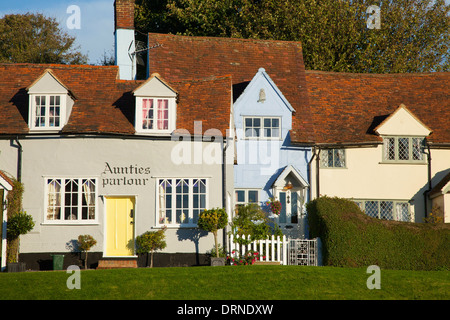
{"x":155,"y":115}
{"x":47,"y":111}
{"x":156,"y":107}
{"x":50,"y":103}
{"x":403,"y":149}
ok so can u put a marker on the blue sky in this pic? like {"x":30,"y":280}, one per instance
{"x":96,"y":33}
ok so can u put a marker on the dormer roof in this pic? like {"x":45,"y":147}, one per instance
{"x":402,"y":122}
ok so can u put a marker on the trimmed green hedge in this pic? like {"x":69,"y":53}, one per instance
{"x":350,"y":238}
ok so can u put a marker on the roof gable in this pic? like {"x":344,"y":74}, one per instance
{"x":262,"y":92}
{"x":402,"y":122}
{"x":155,"y":86}
{"x":290,"y":174}
{"x":47,"y":82}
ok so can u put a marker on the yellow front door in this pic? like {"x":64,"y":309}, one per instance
{"x":119,"y":226}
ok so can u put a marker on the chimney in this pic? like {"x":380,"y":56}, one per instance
{"x":124,"y":39}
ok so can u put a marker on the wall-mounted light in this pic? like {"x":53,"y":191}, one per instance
{"x":262,"y":95}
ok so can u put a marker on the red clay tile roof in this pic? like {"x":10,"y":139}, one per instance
{"x":103,"y":103}
{"x":182,"y":57}
{"x":347,"y":107}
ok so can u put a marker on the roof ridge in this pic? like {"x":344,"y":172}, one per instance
{"x":217,"y":38}
{"x":411,"y":74}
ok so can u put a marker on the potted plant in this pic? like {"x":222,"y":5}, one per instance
{"x":18,"y":224}
{"x":213,"y":220}
{"x":151,"y":241}
{"x":85,"y":243}
{"x":274,"y":206}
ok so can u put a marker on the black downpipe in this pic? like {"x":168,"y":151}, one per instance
{"x":318,"y":174}
{"x":19,"y":160}
{"x":425,"y":194}
{"x":309,"y":173}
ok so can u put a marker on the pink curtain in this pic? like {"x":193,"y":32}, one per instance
{"x":163,"y":114}
{"x":147,"y":116}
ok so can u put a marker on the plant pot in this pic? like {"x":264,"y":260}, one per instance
{"x":216,"y":262}
{"x":17,"y":267}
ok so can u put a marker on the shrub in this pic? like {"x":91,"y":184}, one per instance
{"x":251,"y":223}
{"x":248,"y":258}
{"x":350,"y":238}
{"x":151,"y":241}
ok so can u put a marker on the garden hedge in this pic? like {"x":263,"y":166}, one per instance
{"x":350,"y":238}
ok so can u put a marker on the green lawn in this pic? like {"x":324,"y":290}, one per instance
{"x":227,"y":283}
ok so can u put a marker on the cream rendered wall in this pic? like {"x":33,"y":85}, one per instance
{"x":87,"y":157}
{"x":366,"y":177}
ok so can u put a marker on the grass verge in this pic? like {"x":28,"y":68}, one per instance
{"x":227,"y":283}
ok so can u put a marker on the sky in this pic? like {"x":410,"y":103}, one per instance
{"x":95,"y":35}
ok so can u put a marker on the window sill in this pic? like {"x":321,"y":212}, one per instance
{"x":403,"y":162}
{"x":66,"y":223}
{"x":176,"y":226}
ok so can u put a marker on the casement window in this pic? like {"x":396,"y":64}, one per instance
{"x":47,"y":112}
{"x":71,"y":200}
{"x":332,"y":158}
{"x":262,"y":127}
{"x":386,"y":209}
{"x":403,"y":149}
{"x":181,"y":200}
{"x":246,"y":196}
{"x":155,"y":115}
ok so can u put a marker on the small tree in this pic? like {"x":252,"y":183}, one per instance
{"x":213,"y":220}
{"x":85,"y":243}
{"x":20,"y":223}
{"x":151,"y":241}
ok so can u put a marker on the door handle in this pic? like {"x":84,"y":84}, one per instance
{"x":131,"y":213}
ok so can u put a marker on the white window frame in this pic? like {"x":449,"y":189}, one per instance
{"x":362,"y":204}
{"x":33,"y":107}
{"x":159,"y":199}
{"x":410,"y":160}
{"x":171,"y":116}
{"x":62,"y":219}
{"x":262,"y":134}
{"x":246,"y":196}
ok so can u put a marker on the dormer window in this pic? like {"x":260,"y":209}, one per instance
{"x":155,"y":107}
{"x":155,"y":114}
{"x":50,"y":103}
{"x":47,"y":111}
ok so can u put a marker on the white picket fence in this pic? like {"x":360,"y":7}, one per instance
{"x":274,"y":249}
{"x":307,"y":252}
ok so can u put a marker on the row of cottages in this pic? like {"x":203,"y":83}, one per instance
{"x":219,"y":122}
{"x":380,"y":140}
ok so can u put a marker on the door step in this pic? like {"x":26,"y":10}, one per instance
{"x":117,"y":263}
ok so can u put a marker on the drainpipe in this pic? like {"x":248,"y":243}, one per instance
{"x":425,"y":194}
{"x":309,"y":172}
{"x":19,"y":160}
{"x":224,"y":188}
{"x":317,"y":173}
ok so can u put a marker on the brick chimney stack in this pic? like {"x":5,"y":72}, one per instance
{"x":124,"y":39}
{"x":124,"y":14}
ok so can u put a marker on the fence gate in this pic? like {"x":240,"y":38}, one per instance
{"x":305,"y":252}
